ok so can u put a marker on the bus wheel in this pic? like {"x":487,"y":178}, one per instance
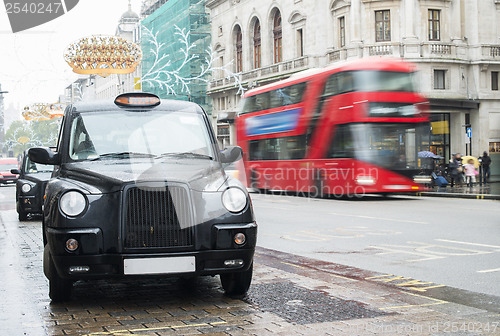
{"x":59,"y":288}
{"x":319,"y":184}
{"x":254,"y":182}
{"x":236,"y":284}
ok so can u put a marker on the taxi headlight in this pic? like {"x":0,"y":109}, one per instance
{"x":26,"y":188}
{"x":234,"y":199}
{"x":72,"y":203}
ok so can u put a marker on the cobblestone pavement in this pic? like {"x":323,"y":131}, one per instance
{"x":290,"y":295}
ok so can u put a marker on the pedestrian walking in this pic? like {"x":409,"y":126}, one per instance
{"x":485,"y":168}
{"x":470,"y":173}
{"x":456,"y":169}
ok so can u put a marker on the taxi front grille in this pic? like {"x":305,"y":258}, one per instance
{"x":158,"y":218}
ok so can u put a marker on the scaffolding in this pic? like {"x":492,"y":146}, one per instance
{"x":191,"y":16}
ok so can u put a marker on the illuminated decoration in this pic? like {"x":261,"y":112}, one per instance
{"x":41,"y":111}
{"x":103,"y":55}
{"x":23,"y":140}
{"x":169,"y":75}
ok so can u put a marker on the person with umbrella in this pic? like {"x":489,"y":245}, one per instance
{"x":470,"y":172}
{"x":456,"y":169}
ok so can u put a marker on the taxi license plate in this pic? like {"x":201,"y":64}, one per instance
{"x":159,"y":265}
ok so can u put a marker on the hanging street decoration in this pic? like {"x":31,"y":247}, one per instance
{"x":42,"y":111}
{"x":167,"y":76}
{"x":103,"y":55}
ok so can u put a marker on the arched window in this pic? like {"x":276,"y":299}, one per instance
{"x":256,"y":45}
{"x":277,"y":38}
{"x":239,"y":49}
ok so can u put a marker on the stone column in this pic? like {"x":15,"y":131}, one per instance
{"x":355,"y":47}
{"x":409,"y":29}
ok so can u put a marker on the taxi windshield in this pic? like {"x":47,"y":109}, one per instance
{"x":127,"y":134}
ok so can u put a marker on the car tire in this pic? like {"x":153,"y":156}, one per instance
{"x":236,"y":284}
{"x":23,"y":216}
{"x":44,"y":236}
{"x":59,"y":288}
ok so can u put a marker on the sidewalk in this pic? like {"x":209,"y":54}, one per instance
{"x":486,"y":191}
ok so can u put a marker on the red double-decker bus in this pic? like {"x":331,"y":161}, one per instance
{"x":354,"y":128}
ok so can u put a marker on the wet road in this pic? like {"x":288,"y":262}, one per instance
{"x":290,"y":295}
{"x":441,"y":241}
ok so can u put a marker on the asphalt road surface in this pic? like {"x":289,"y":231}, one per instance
{"x":323,"y":267}
{"x":436,"y":241}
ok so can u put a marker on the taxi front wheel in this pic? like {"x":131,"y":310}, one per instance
{"x":237,"y":284}
{"x":59,"y":288}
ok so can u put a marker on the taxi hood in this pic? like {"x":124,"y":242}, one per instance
{"x":110,"y":175}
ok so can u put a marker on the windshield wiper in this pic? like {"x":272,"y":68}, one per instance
{"x":188,"y":154}
{"x":125,"y":155}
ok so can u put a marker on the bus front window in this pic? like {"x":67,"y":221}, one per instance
{"x":392,"y":146}
{"x":393,"y":81}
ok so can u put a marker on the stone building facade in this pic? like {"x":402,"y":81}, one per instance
{"x":454,"y":43}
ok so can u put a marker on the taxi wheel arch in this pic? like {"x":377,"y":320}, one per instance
{"x":236,"y":284}
{"x":59,"y":288}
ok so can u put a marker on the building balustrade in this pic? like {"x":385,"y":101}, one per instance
{"x":380,"y":50}
{"x":278,"y":68}
{"x":424,"y":50}
{"x":440,"y":49}
{"x":494,"y":51}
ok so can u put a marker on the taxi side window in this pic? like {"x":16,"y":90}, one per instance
{"x":81,"y":145}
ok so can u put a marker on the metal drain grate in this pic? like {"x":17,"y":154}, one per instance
{"x":304,"y":306}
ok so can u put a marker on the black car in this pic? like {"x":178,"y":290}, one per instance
{"x":139,"y":189}
{"x":30,"y":187}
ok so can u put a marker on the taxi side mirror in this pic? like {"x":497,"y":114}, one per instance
{"x":231,"y":154}
{"x":44,"y":155}
{"x":15,"y":171}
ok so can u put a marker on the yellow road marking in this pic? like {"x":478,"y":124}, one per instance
{"x":379,"y":276}
{"x":436,"y":302}
{"x":292,"y":264}
{"x":118,"y":332}
{"x":412,"y":282}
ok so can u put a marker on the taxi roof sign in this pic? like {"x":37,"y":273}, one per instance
{"x":137,"y":99}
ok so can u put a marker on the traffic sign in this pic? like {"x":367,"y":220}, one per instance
{"x":469,"y":132}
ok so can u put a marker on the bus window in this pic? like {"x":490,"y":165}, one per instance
{"x":276,"y":98}
{"x":369,"y":81}
{"x":282,"y":148}
{"x":248,"y":104}
{"x":331,"y":86}
{"x":294,"y":92}
{"x":346,"y":82}
{"x":262,"y":101}
{"x":342,"y":145}
{"x":385,"y":81}
{"x":295,"y":147}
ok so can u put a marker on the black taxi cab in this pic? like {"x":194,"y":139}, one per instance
{"x":139,"y":189}
{"x":30,"y":187}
